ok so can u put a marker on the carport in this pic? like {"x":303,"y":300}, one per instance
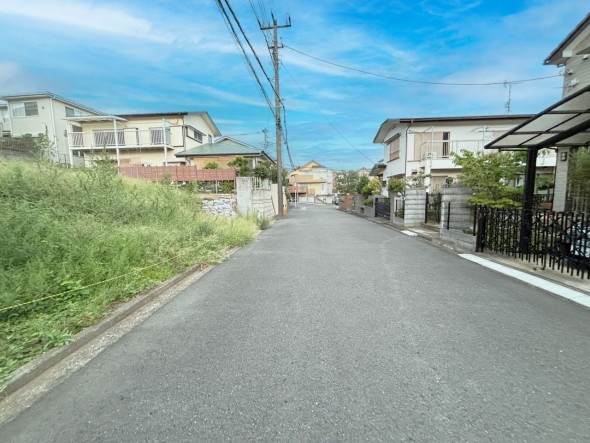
{"x":565,"y":124}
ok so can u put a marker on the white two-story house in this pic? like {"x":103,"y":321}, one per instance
{"x":42,"y":113}
{"x":414,"y":146}
{"x":150,"y":139}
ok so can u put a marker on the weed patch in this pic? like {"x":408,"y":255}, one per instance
{"x":76,"y":241}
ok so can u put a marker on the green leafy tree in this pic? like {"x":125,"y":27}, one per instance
{"x":373,"y":187}
{"x":492,"y":177}
{"x":579,"y":172}
{"x":242,"y":167}
{"x":399,"y":185}
{"x":212,"y":165}
{"x":346,"y":182}
{"x":43,"y":148}
{"x":363,"y":180}
{"x":265,"y":171}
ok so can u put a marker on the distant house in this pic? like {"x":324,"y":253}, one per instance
{"x":414,"y":146}
{"x":363,"y":171}
{"x":312,"y":180}
{"x":151,"y":139}
{"x":222,"y":151}
{"x":42,"y":113}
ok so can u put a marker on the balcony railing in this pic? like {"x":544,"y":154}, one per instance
{"x":435,"y":149}
{"x":125,"y":138}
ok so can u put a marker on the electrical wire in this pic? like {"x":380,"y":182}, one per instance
{"x":248,"y":62}
{"x":285,"y":137}
{"x":250,"y":45}
{"x":399,"y":79}
{"x":325,"y":117}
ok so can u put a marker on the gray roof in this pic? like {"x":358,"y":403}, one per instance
{"x":225,"y":146}
{"x":50,"y":95}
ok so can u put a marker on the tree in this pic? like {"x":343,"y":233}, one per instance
{"x":211,"y":165}
{"x":346,"y":182}
{"x":264,"y":170}
{"x":579,"y":173}
{"x":492,"y":177}
{"x":242,"y":167}
{"x":399,"y":185}
{"x":363,"y":180}
{"x":373,"y":187}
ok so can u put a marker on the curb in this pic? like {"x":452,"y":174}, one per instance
{"x":37,"y":366}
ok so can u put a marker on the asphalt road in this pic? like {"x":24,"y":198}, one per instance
{"x":332,"y":328}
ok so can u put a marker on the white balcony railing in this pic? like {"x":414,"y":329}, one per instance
{"x":442,"y":149}
{"x":125,"y":138}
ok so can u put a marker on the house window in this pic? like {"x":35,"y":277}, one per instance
{"x":394,"y":149}
{"x":71,"y":112}
{"x":194,"y":134}
{"x":25,"y":109}
{"x":210,"y":138}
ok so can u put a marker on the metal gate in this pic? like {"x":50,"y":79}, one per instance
{"x":382,"y":208}
{"x":433,"y":207}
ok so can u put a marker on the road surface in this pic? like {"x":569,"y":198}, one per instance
{"x":330,"y":327}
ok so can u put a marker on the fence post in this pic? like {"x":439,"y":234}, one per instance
{"x":448,"y":215}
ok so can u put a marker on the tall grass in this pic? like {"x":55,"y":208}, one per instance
{"x":62,"y":231}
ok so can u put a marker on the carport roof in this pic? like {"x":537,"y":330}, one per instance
{"x":563,"y":124}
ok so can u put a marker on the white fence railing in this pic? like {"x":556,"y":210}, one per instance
{"x":125,"y":138}
{"x":435,"y":149}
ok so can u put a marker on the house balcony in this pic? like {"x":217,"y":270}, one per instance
{"x":441,"y":149}
{"x":154,"y":138}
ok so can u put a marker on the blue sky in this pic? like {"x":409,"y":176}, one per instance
{"x":162,"y":55}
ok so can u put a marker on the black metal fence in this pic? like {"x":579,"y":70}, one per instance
{"x":382,"y":208}
{"x":559,"y":240}
{"x":433,"y":207}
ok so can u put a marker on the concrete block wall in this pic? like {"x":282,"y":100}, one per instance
{"x":460,"y":209}
{"x":415,"y":207}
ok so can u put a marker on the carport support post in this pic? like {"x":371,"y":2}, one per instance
{"x":526,"y":221}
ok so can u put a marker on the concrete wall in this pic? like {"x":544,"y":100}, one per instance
{"x":255,"y":201}
{"x":415,"y":207}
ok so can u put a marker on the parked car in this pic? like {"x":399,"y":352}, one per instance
{"x":336,"y":199}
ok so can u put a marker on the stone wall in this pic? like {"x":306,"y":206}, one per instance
{"x":224,"y":206}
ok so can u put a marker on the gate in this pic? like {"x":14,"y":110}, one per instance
{"x":382,"y":208}
{"x":559,"y":240}
{"x":433,"y":207}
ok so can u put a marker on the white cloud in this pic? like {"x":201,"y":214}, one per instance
{"x":14,"y":80}
{"x":109,"y":20}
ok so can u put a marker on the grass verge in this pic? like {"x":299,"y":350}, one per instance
{"x":73,"y":242}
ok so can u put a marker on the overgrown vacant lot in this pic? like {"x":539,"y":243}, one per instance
{"x":74,"y":242}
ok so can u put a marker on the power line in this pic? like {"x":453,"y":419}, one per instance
{"x":250,"y":45}
{"x":325,"y":117}
{"x":399,"y":79}
{"x":285,"y":138}
{"x":248,"y":62}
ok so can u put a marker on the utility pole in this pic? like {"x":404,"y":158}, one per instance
{"x":275,"y":56}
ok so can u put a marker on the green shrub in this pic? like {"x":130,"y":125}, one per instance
{"x":84,"y":239}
